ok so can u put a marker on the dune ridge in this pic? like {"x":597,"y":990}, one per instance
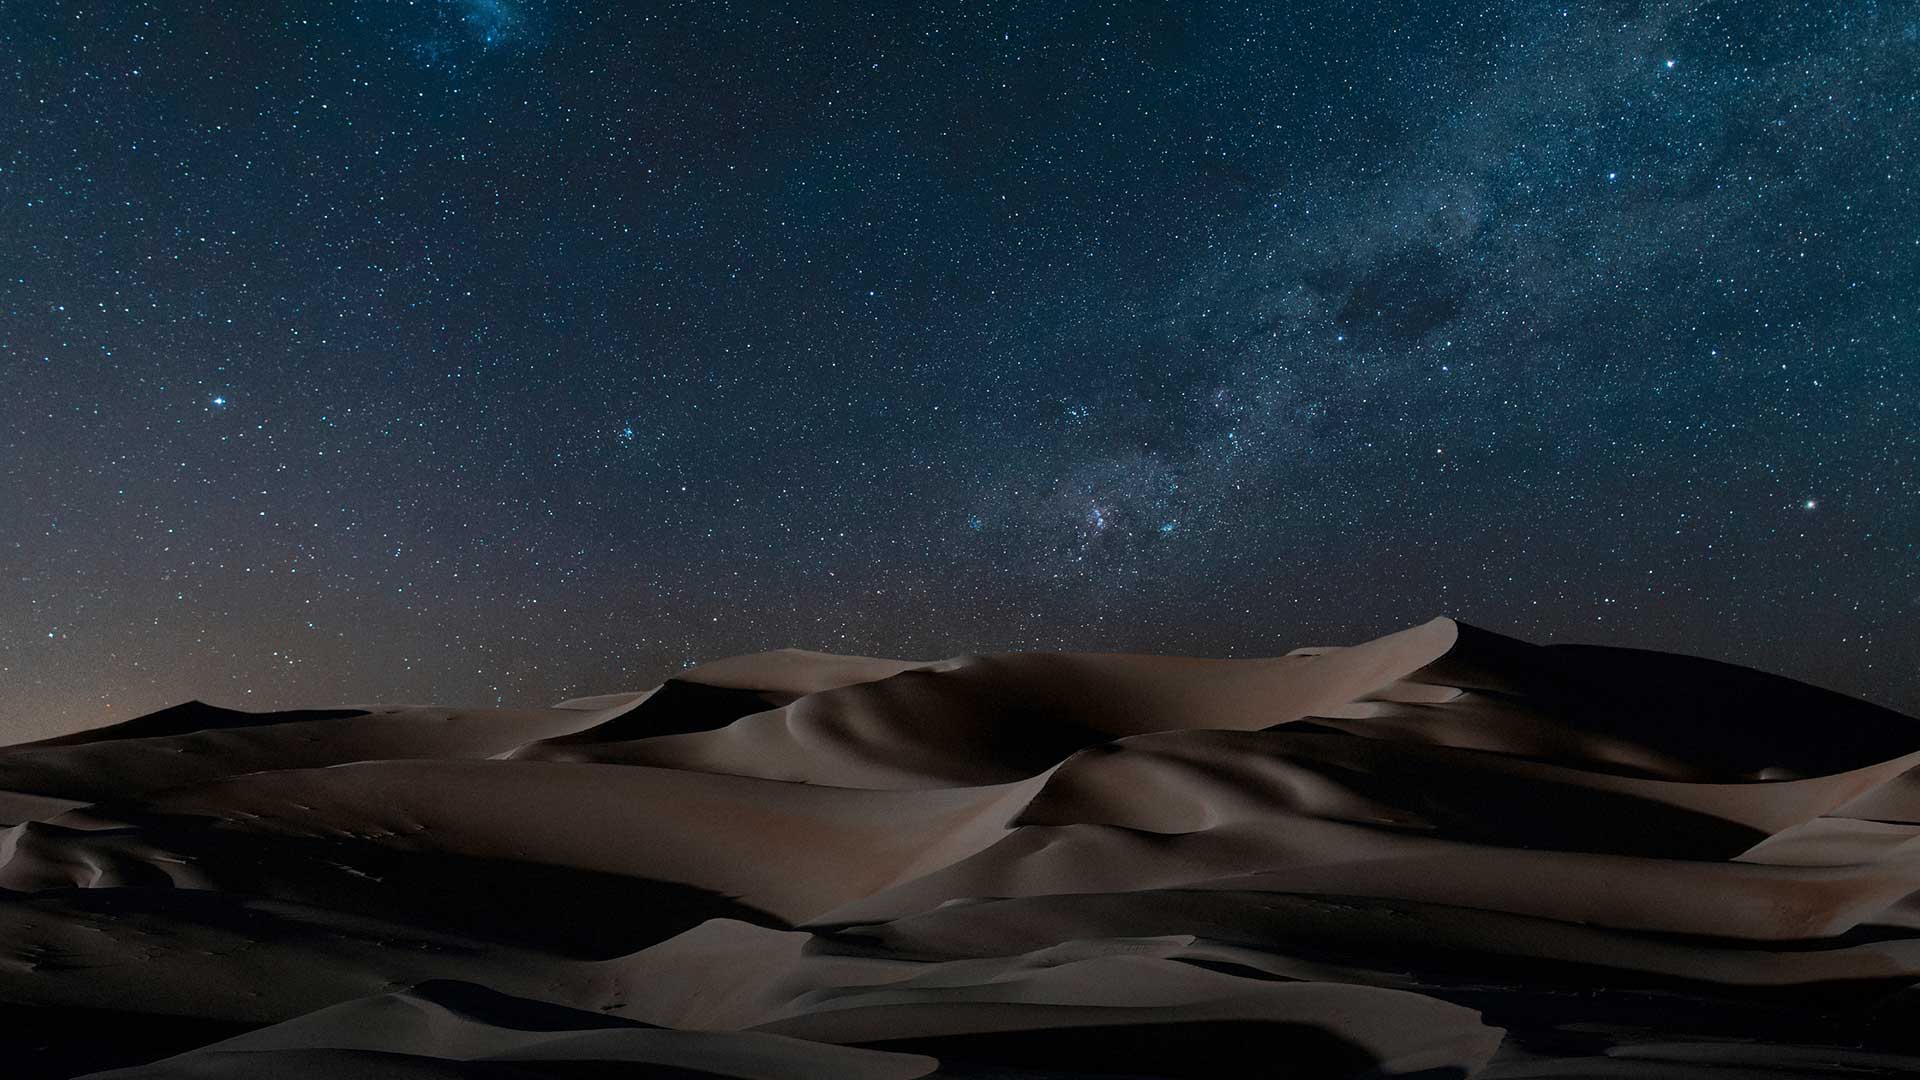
{"x":1444,"y":852}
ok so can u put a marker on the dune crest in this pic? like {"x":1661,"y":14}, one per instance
{"x":1444,"y":852}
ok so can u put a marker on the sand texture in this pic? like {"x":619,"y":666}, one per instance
{"x":1441,"y":853}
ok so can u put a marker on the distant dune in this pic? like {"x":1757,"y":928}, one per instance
{"x":1441,"y":853}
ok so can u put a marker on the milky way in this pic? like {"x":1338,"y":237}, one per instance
{"x":449,"y":37}
{"x":482,"y":350}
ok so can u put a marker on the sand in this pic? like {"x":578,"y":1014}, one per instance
{"x":1440,"y":853}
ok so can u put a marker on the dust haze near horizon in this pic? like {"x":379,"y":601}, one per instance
{"x":502,"y":352}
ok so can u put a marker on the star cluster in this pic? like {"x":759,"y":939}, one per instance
{"x":501,"y":350}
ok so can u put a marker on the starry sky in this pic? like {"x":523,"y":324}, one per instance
{"x":498,"y":351}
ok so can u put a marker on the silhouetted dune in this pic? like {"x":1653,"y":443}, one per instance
{"x":187,"y":718}
{"x":1441,"y":853}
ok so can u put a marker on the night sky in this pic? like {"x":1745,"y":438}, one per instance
{"x":482,"y":351}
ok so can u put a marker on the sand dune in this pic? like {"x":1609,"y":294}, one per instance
{"x":1441,"y":853}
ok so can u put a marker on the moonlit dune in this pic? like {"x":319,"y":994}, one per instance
{"x":1440,"y":853}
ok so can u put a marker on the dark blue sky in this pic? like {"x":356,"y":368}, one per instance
{"x":502,"y":350}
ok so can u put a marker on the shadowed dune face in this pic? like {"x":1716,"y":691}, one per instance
{"x":1440,"y":853}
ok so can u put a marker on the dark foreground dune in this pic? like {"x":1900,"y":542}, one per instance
{"x":1441,"y":853}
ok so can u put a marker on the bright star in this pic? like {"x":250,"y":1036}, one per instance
{"x":1809,"y":505}
{"x":219,"y":401}
{"x":1670,"y":64}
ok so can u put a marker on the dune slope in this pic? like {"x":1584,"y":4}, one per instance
{"x":1441,"y":853}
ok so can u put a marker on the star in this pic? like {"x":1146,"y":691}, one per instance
{"x":1115,"y":329}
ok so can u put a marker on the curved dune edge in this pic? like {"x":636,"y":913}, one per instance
{"x":1442,"y":852}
